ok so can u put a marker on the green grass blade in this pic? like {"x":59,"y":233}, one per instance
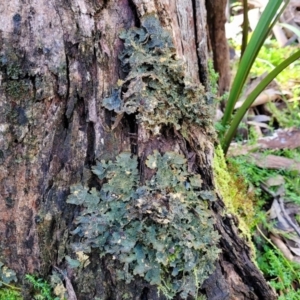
{"x":259,"y":35}
{"x":250,"y":99}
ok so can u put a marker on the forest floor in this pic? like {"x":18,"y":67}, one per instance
{"x":266,"y":156}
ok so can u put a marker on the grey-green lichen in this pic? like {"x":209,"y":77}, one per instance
{"x":156,"y":87}
{"x":162,"y":230}
{"x":7,"y":275}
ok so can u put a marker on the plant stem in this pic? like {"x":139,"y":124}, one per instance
{"x":10,"y":286}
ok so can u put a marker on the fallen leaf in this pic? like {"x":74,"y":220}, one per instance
{"x":274,"y":162}
{"x":266,"y":96}
{"x":276,"y":213}
{"x":275,"y":181}
{"x":281,"y":139}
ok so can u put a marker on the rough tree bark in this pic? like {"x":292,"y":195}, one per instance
{"x":58,"y":60}
{"x":216,"y":20}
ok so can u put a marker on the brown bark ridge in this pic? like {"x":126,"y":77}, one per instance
{"x":58,"y":60}
{"x":216,"y":20}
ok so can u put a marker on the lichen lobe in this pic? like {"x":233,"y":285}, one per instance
{"x":156,"y":87}
{"x":160,"y":231}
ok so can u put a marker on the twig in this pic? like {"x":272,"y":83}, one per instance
{"x":69,"y":286}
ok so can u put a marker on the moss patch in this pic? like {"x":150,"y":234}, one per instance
{"x":17,"y":88}
{"x":234,"y":194}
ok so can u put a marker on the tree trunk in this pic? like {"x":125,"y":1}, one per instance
{"x":58,"y":65}
{"x":216,"y":20}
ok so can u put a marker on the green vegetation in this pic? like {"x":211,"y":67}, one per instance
{"x":230,"y":123}
{"x":259,"y":56}
{"x":213,"y":78}
{"x":283,"y":275}
{"x":234,"y":193}
{"x":270,"y":56}
{"x":17,"y":88}
{"x":9,"y":294}
{"x":152,"y":229}
{"x":255,"y":175}
{"x":43,"y":290}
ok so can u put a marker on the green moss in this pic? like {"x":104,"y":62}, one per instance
{"x":156,"y":87}
{"x":234,"y":194}
{"x":42,"y":289}
{"x":10,"y":63}
{"x":9,"y":294}
{"x":13,"y":71}
{"x":213,"y":78}
{"x":17,"y":88}
{"x":15,"y":74}
{"x":160,"y":231}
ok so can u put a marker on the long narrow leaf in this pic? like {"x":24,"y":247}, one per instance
{"x":259,"y":35}
{"x":286,"y":2}
{"x":250,"y":99}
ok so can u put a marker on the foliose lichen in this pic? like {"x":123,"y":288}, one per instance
{"x":161,"y":230}
{"x":156,"y":87}
{"x":7,"y":275}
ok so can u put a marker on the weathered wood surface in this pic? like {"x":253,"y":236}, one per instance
{"x":58,"y":60}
